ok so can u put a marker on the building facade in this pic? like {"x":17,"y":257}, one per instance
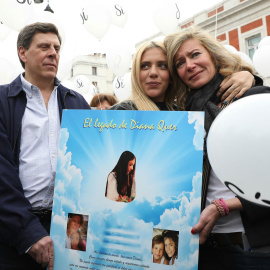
{"x":96,"y":70}
{"x":240,"y":23}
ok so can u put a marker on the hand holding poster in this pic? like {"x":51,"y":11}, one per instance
{"x":127,"y":190}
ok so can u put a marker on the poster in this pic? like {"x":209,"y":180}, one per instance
{"x":93,"y":225}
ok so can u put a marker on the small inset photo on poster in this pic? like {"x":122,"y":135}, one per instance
{"x":165,"y":246}
{"x":121,"y":185}
{"x":76,"y":233}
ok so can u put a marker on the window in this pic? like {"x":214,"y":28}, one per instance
{"x":252,"y":45}
{"x":94,"y":71}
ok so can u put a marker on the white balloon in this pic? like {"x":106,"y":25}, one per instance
{"x":230,"y":48}
{"x":8,"y":49}
{"x":238,"y":147}
{"x":4,"y":31}
{"x":81,"y":84}
{"x":8,"y":71}
{"x":68,"y":84}
{"x":64,"y":68}
{"x":116,"y":36}
{"x":264,"y":42}
{"x":166,"y":17}
{"x":119,"y":14}
{"x":118,"y":58}
{"x":245,"y":58}
{"x":15,"y":14}
{"x":88,"y":97}
{"x":122,"y":87}
{"x":97,"y":19}
{"x":68,"y":14}
{"x":261,"y":60}
{"x":39,"y":7}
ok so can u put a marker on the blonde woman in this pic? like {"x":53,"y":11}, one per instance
{"x":151,"y":81}
{"x":199,"y":63}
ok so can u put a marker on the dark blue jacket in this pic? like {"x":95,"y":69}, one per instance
{"x":19,"y":227}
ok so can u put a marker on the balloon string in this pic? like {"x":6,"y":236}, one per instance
{"x":98,"y":98}
{"x":104,"y":71}
{"x":94,"y":89}
{"x":99,"y":103}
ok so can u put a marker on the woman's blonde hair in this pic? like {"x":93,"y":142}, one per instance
{"x":225,"y":62}
{"x":138,"y":96}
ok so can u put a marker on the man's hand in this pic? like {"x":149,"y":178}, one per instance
{"x":207,"y":221}
{"x":42,"y":252}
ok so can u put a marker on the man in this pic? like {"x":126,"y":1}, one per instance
{"x":30,"y":115}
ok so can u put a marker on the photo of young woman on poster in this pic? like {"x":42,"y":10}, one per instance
{"x":121,"y":186}
{"x":76,"y":241}
{"x":76,"y":233}
{"x":171,"y":245}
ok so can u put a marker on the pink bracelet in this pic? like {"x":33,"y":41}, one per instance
{"x":225,"y":206}
{"x":221,"y":207}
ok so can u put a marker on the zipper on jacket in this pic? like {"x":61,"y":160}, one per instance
{"x":15,"y":142}
{"x":65,"y":100}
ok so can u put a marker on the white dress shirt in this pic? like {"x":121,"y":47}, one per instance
{"x":39,"y":146}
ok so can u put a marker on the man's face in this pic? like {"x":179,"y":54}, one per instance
{"x":42,"y":57}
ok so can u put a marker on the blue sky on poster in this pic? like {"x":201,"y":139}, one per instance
{"x":78,"y":41}
{"x":84,"y":164}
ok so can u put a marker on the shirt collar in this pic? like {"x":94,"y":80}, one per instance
{"x":29,"y":88}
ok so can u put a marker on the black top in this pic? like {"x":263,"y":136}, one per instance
{"x":130,"y":105}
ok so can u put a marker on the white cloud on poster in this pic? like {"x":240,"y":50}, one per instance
{"x":198,"y":119}
{"x":169,"y":217}
{"x":63,"y":139}
{"x":59,"y":243}
{"x":190,"y":262}
{"x":188,"y":209}
{"x":68,"y":176}
{"x":60,"y":187}
{"x":74,"y":256}
{"x":196,"y":184}
{"x":59,"y":220}
{"x":182,"y":220}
